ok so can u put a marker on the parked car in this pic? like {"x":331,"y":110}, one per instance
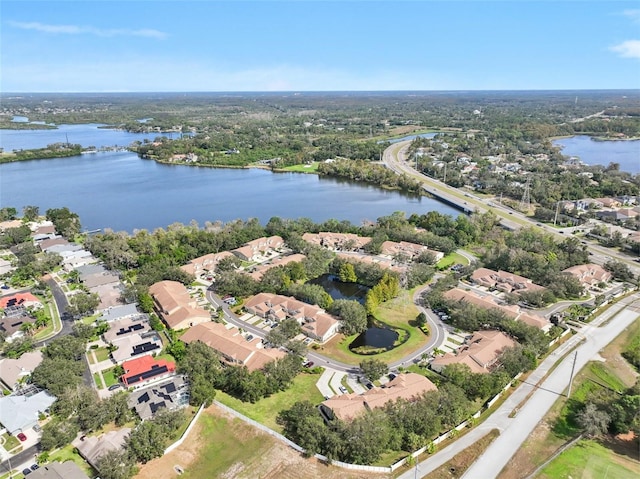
{"x":113,"y":387}
{"x":250,"y":337}
{"x":21,"y":436}
{"x":26,"y":471}
{"x":308,"y":364}
{"x":4,"y":286}
{"x":34,"y":467}
{"x":343,"y":390}
{"x":391,"y":376}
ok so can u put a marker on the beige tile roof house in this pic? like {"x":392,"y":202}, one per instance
{"x":589,"y":274}
{"x":315,"y":322}
{"x":491,"y":302}
{"x":479,"y":353}
{"x":175,"y":306}
{"x":258,"y":248}
{"x":94,"y":447}
{"x":408,"y":386}
{"x":232,"y":346}
{"x":258,"y":272}
{"x":381,"y":261}
{"x":13,"y":370}
{"x":391,"y":249}
{"x":337,"y":241}
{"x":504,"y":281}
{"x":205,"y":264}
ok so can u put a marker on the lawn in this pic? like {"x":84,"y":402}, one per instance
{"x":102,"y":354}
{"x":312,"y":168}
{"x":9,"y":442}
{"x":590,"y":459}
{"x":98,"y":380}
{"x":266,"y":410}
{"x":226,"y":442}
{"x":396,"y":313}
{"x":451,"y":259}
{"x":68,"y":453}
{"x":109,"y":378}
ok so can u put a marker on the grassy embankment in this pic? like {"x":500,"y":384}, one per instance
{"x":399,"y":313}
{"x":266,"y":410}
{"x":614,"y":457}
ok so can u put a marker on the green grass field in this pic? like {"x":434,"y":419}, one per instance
{"x":396,"y":313}
{"x":98,"y":380}
{"x":109,"y":378}
{"x":266,"y":410}
{"x":590,"y":459}
{"x":102,"y":354}
{"x":451,"y":259}
{"x":225,"y":446}
{"x":312,"y":168}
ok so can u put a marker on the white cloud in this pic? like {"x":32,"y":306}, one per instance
{"x":634,"y":15}
{"x":628,"y":49}
{"x":80,"y":30}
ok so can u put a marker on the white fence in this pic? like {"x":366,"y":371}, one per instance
{"x":185,"y":433}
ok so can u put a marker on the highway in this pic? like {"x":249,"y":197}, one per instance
{"x":544,"y":392}
{"x":394,"y":157}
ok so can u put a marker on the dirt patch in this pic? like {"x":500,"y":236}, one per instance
{"x":459,"y":464}
{"x":218,"y":435}
{"x":183,"y":456}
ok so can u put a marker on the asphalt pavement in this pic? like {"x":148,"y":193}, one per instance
{"x":544,"y":392}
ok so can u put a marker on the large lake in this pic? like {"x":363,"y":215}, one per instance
{"x":592,"y":152}
{"x":122,"y":192}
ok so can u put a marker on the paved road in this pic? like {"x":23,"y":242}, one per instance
{"x":21,"y":460}
{"x":515,"y":430}
{"x":394,"y":158}
{"x":61,"y":303}
{"x":435,"y":324}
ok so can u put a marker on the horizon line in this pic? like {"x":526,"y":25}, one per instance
{"x":275,"y":92}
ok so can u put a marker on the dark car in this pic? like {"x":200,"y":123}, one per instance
{"x":22,"y":437}
{"x":26,"y":471}
{"x":4,"y":286}
{"x":113,"y":387}
{"x":34,"y":467}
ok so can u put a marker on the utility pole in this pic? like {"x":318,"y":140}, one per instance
{"x":557,"y":210}
{"x":573,"y":368}
{"x":444,"y":180}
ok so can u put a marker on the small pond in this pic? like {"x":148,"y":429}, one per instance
{"x":339,"y":290}
{"x":373,"y":339}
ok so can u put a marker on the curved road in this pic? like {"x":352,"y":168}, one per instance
{"x":435,"y":325}
{"x":543,"y":387}
{"x":394,"y":158}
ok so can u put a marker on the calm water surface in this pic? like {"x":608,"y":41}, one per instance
{"x":591,"y":152}
{"x":122,"y":192}
{"x":340,"y":290}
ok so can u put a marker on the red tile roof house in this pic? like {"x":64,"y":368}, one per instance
{"x":315,"y":322}
{"x":480,"y":352}
{"x":408,"y":386}
{"x":206,"y":264}
{"x":175,"y":306}
{"x":20,"y":300}
{"x":504,"y":281}
{"x":491,"y":302}
{"x":232,"y":346}
{"x":259,"y":248}
{"x":589,"y":274}
{"x":140,"y":371}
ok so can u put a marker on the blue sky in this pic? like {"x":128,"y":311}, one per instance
{"x":68,"y":46}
